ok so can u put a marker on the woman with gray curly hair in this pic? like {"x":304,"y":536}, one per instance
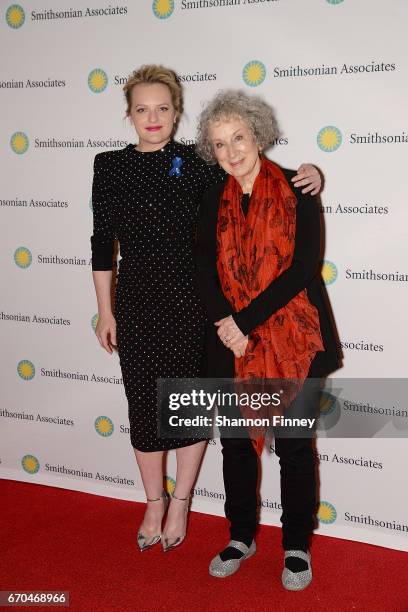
{"x":255,"y":112}
{"x":258,"y":265}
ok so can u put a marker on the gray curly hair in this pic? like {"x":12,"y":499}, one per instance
{"x":256,"y":113}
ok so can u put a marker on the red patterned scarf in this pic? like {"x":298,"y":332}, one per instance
{"x":251,"y":253}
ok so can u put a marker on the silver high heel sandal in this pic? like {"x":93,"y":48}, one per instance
{"x":145,"y":542}
{"x":170,"y":543}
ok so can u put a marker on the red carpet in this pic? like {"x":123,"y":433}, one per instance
{"x":55,"y":539}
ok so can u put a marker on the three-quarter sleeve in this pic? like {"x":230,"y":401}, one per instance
{"x":103,"y":237}
{"x":304,"y":267}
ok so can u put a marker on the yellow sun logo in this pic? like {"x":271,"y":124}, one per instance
{"x":329,"y":139}
{"x":19,"y":142}
{"x":104,"y":426}
{"x":15,"y":16}
{"x":327,"y":403}
{"x":23,"y":257}
{"x":169,"y":484}
{"x":327,"y":513}
{"x":329,"y":272}
{"x":30,"y":464}
{"x":254,"y":73}
{"x":97,"y":80}
{"x":163,"y":8}
{"x":94,"y":321}
{"x":26,"y":369}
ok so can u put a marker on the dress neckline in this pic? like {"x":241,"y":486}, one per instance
{"x":167,"y":147}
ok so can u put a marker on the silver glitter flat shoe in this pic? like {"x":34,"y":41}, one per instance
{"x":297,"y":581}
{"x":145,"y":542}
{"x":222,"y":569}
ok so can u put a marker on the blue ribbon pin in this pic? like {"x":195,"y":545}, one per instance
{"x":177,"y":162}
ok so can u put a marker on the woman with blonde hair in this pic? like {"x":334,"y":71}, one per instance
{"x":147,"y":196}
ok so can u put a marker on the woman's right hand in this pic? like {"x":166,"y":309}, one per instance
{"x":106,"y":332}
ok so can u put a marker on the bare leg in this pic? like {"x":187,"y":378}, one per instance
{"x":151,"y":471}
{"x":188,"y":462}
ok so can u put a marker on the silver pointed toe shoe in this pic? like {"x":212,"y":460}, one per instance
{"x":222,"y":569}
{"x":171,"y":543}
{"x":145,"y":542}
{"x":297,"y":581}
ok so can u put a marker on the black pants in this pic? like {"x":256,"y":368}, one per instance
{"x":297,"y":476}
{"x":298,"y":489}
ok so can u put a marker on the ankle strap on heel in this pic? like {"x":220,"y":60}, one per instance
{"x":181,"y":498}
{"x":162,"y":496}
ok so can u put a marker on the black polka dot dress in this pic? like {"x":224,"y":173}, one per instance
{"x":149,"y":202}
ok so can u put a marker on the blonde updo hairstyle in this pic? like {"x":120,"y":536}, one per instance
{"x":155,"y":73}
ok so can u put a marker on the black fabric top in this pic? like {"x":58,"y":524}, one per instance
{"x":246,"y":197}
{"x":128,"y":180}
{"x":303,"y":273}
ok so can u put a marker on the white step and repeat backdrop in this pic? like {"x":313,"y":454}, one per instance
{"x":336,"y":72}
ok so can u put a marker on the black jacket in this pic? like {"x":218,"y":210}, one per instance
{"x":303,"y":273}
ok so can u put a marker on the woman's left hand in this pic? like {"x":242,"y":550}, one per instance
{"x":308,"y":175}
{"x":228,"y":331}
{"x":239,"y":347}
